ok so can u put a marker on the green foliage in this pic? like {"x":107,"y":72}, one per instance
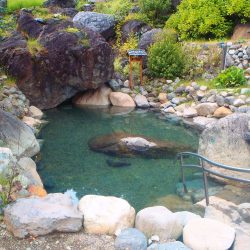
{"x":156,"y":10}
{"x":34,"y":46}
{"x":208,"y":19}
{"x":230,"y":78}
{"x":72,"y":30}
{"x":19,"y":4}
{"x":166,"y":58}
{"x":118,"y":8}
{"x":7,"y":24}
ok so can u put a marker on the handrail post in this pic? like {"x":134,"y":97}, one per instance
{"x":205,"y":182}
{"x":183,"y":175}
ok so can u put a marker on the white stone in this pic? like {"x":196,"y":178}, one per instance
{"x":141,"y":101}
{"x":204,"y":121}
{"x":184,"y":217}
{"x":6,"y":157}
{"x":35,"y":112}
{"x":40,"y":216}
{"x":121,"y":99}
{"x":189,"y":112}
{"x":207,"y":234}
{"x":106,"y":214}
{"x":159,"y":221}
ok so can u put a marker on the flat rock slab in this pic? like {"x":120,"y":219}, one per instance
{"x":40,"y":216}
{"x":207,"y":234}
{"x":176,"y":245}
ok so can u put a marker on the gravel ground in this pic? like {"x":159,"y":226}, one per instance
{"x":57,"y":241}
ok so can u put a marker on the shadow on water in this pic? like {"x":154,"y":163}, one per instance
{"x":68,"y":162}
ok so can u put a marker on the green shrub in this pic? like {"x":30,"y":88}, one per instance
{"x":166,"y":59}
{"x":118,"y":8}
{"x":19,"y":4}
{"x":156,"y":10}
{"x":230,"y":78}
{"x":208,"y":19}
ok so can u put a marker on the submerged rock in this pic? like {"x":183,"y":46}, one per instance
{"x":118,"y":164}
{"x":40,"y":216}
{"x":126,"y":145}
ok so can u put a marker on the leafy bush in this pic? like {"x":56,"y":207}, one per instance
{"x":131,"y":43}
{"x":118,"y":8}
{"x":166,"y":59}
{"x":230,"y":78}
{"x":19,"y":4}
{"x":156,"y":10}
{"x":208,"y":19}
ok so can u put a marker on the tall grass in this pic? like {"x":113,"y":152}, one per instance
{"x":19,"y":4}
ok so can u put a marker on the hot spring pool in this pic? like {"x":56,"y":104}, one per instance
{"x":68,"y":163}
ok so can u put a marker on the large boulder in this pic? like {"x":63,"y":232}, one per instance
{"x":141,"y":101}
{"x":176,"y":245}
{"x":205,"y":109}
{"x":17,"y":136}
{"x":98,"y":97}
{"x":148,"y":38}
{"x":121,"y":99}
{"x":133,"y":27}
{"x":39,"y":216}
{"x":61,"y":3}
{"x":225,"y":143}
{"x":131,"y":239}
{"x":159,"y":221}
{"x":203,"y":234}
{"x":62,"y":62}
{"x":98,"y":22}
{"x":106,"y":214}
{"x":127,"y":145}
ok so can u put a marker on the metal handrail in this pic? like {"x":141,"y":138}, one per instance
{"x":206,"y":171}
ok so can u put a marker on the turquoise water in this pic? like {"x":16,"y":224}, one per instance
{"x":68,"y":163}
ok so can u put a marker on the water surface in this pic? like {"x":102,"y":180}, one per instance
{"x":68,"y":163}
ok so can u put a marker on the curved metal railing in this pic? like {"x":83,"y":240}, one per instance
{"x":208,"y":171}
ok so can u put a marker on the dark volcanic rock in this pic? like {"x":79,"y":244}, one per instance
{"x":148,"y":38}
{"x":64,"y":63}
{"x":133,"y":27}
{"x":61,"y":3}
{"x":126,"y":145}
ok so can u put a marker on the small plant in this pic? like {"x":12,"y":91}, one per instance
{"x":72,"y":30}
{"x":131,"y":43}
{"x":230,"y":78}
{"x":34,"y":46}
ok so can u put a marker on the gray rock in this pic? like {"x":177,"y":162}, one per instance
{"x":6,"y":158}
{"x":176,"y":245}
{"x":40,"y":216}
{"x":141,"y":101}
{"x":61,"y":3}
{"x":17,"y":136}
{"x":229,"y":61}
{"x":245,"y":91}
{"x":229,"y":100}
{"x":238,"y":102}
{"x":3,"y":3}
{"x":220,"y":100}
{"x":101,"y":23}
{"x":148,"y":38}
{"x":114,"y":85}
{"x":211,"y":98}
{"x":221,"y":141}
{"x":131,"y":239}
